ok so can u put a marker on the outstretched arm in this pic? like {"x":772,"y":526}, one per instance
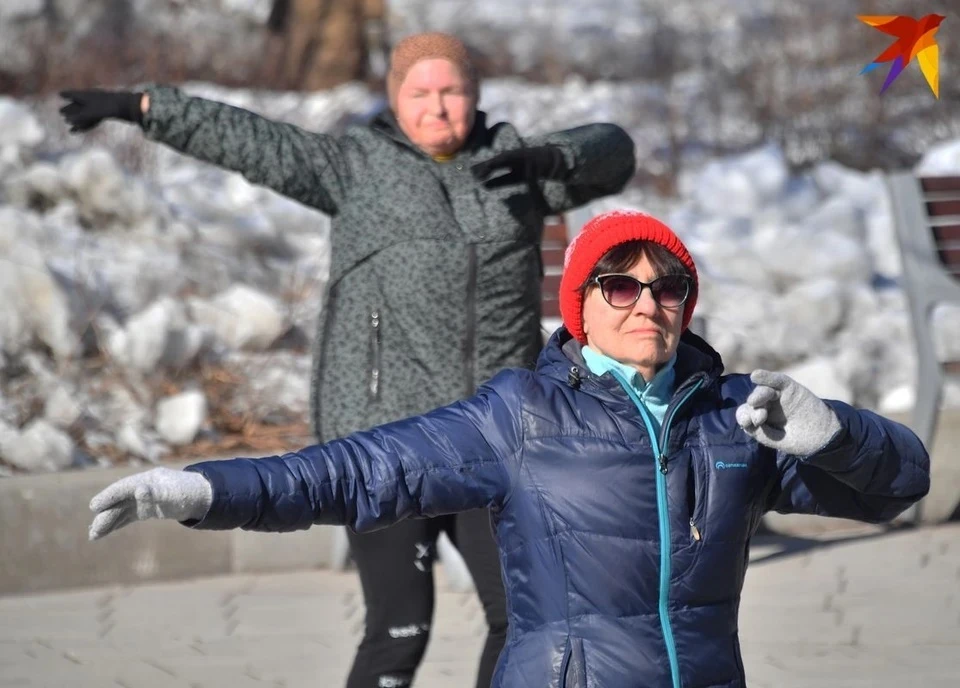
{"x":452,"y":459}
{"x":833,"y":459}
{"x":315,"y":169}
{"x":600,"y":159}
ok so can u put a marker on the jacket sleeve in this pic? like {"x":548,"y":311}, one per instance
{"x":871,"y":471}
{"x":601,"y":159}
{"x":452,"y":459}
{"x":313,"y":169}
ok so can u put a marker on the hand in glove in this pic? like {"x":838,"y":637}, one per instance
{"x":157,"y":493}
{"x":522,"y":165}
{"x":88,"y":108}
{"x":783,"y":414}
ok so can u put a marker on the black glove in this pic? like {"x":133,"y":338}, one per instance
{"x":522,"y":165}
{"x":90,"y":107}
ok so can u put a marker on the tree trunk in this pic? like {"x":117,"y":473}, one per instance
{"x":326,"y":42}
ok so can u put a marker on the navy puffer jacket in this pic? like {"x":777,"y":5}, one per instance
{"x":623,"y":554}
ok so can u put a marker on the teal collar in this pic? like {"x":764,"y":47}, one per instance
{"x":658,"y":391}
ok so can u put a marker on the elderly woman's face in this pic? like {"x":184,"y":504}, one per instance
{"x":436,"y":106}
{"x":644,"y":336}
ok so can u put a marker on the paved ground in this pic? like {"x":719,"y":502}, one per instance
{"x":872,"y":611}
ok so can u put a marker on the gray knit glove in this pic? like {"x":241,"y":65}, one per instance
{"x":783,"y":414}
{"x":157,"y":493}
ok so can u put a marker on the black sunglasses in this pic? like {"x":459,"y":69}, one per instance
{"x":622,"y":291}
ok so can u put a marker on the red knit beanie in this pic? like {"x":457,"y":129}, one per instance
{"x":598,"y":236}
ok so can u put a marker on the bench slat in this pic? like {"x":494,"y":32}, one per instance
{"x":555,"y":232}
{"x":553,"y":257}
{"x":550,"y":308}
{"x":553,"y":246}
{"x":947,"y":233}
{"x":940,"y":183}
{"x":950,"y":257}
{"x":939,"y":208}
{"x":551,"y":284}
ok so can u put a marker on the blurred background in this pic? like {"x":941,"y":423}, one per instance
{"x":757,"y":139}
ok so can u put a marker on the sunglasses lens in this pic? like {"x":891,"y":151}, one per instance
{"x":670,"y":291}
{"x":620,"y":291}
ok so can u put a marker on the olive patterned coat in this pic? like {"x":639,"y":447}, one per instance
{"x":435,"y":280}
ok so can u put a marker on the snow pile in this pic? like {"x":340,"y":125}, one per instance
{"x":117,"y":290}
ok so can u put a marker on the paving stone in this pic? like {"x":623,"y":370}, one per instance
{"x":880,"y":611}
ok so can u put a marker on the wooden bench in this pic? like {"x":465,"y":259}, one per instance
{"x":552,"y":248}
{"x":927,"y":220}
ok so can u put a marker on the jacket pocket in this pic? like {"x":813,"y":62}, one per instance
{"x":696,"y":497}
{"x":573,"y":670}
{"x":375,"y":362}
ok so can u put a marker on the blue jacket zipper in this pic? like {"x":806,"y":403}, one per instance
{"x":663,"y":516}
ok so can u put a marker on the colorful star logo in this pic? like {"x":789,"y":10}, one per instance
{"x":915,"y":38}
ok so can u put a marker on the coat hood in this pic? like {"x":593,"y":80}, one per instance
{"x":562,"y":359}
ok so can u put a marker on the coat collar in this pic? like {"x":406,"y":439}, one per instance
{"x":562,"y":359}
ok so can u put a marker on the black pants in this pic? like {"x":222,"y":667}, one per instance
{"x":396,"y":573}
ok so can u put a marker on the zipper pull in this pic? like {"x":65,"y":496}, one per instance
{"x":663,"y":464}
{"x":694,"y":531}
{"x":374,"y":387}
